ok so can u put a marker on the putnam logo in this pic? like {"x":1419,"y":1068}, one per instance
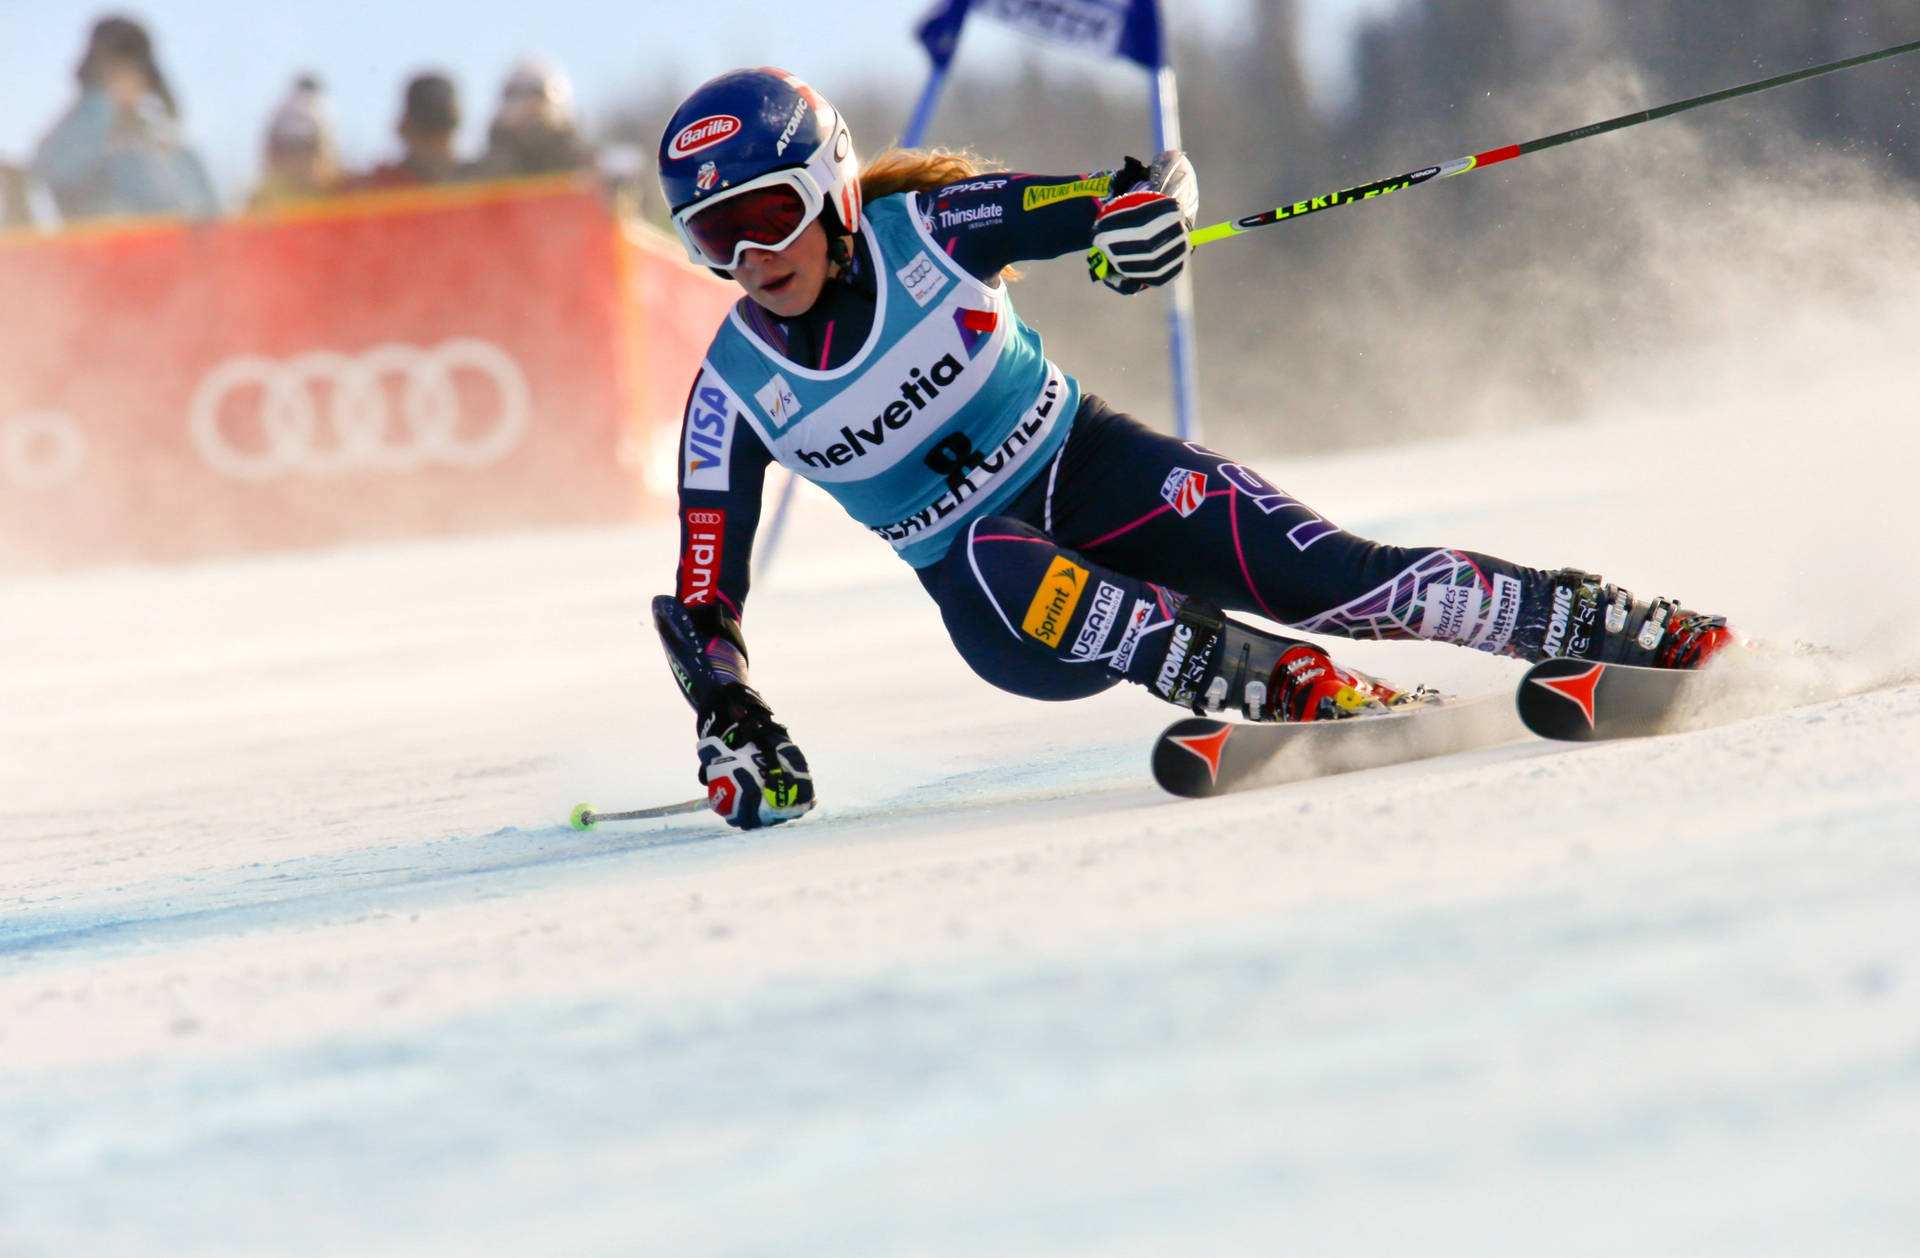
{"x":1054,"y":601}
{"x":703,"y":134}
{"x":1047,"y":193}
{"x":975,"y":327}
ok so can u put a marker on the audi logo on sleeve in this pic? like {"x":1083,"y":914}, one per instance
{"x":40,"y":450}
{"x":393,"y":408}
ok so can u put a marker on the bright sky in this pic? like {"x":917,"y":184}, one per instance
{"x":230,"y":63}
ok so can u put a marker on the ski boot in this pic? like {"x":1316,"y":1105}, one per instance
{"x":1213,"y":664}
{"x":1590,"y":619}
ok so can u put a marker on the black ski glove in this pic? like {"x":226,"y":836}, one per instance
{"x":1140,"y":236}
{"x":753,"y":773}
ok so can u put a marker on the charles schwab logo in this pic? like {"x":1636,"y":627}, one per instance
{"x":919,"y":388}
{"x":703,"y":134}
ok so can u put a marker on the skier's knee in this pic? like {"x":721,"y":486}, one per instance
{"x":1018,"y":608}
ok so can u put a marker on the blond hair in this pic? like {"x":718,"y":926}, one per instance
{"x":919,"y":170}
{"x":914,"y":170}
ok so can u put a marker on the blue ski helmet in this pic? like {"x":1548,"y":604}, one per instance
{"x":746,"y":125}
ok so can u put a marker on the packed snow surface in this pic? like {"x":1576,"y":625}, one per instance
{"x":298,"y":955}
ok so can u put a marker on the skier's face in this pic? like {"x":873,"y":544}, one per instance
{"x":786,"y":283}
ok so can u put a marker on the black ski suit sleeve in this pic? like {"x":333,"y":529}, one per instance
{"x":993,"y":220}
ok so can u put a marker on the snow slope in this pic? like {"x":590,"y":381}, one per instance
{"x":297,"y":955}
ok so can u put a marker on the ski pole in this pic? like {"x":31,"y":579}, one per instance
{"x":1461,"y":165}
{"x":585,"y":818}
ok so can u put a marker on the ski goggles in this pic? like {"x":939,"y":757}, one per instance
{"x":766,"y":212}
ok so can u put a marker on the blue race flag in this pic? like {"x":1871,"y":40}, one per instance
{"x":939,"y":30}
{"x":1106,"y":28}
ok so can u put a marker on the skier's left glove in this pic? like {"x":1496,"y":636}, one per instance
{"x":753,"y":773}
{"x":1140,"y":236}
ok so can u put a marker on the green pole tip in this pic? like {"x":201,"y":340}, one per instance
{"x":582,"y":816}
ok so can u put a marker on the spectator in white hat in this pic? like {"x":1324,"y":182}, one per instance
{"x":301,"y":161}
{"x":535,"y":131}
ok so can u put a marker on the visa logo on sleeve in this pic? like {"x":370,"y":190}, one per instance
{"x":707,"y":437}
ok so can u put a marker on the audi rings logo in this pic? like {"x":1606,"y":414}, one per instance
{"x":393,"y":408}
{"x":40,"y":450}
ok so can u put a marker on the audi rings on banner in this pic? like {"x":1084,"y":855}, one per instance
{"x":40,"y":450}
{"x":391,"y":408}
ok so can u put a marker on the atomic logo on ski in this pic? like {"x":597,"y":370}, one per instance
{"x":1577,"y":688}
{"x":1206,"y":746}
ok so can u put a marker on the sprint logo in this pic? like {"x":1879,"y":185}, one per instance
{"x":1054,"y":601}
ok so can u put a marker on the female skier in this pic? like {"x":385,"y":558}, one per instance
{"x":1068,"y":546}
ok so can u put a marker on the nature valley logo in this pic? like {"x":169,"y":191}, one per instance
{"x":1048,"y":193}
{"x":1054,"y":601}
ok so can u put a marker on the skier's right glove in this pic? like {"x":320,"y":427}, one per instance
{"x":1140,"y":236}
{"x":753,"y":773}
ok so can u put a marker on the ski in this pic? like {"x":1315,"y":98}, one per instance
{"x":1198,"y":757}
{"x":1581,"y":701}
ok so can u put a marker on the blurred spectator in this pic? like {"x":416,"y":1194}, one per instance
{"x":301,"y":161}
{"x":14,"y":211}
{"x":428,"y":120}
{"x":118,"y":150}
{"x":535,"y":132}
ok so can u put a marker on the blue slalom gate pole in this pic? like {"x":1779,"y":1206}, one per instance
{"x":1180,"y":344}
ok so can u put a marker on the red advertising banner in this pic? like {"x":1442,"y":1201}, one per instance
{"x":381,"y":366}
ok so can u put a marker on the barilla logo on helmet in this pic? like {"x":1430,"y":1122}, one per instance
{"x":703,"y":134}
